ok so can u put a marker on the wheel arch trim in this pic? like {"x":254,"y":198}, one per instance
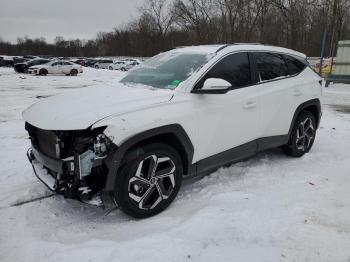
{"x":310,"y":103}
{"x":115,"y":159}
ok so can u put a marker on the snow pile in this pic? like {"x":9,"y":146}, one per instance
{"x":269,"y":208}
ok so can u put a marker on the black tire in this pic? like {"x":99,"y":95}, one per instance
{"x":123,"y":69}
{"x":96,"y":66}
{"x":43,"y":72}
{"x":110,"y":68}
{"x":73,"y":72}
{"x":143,"y":195}
{"x":302,"y":136}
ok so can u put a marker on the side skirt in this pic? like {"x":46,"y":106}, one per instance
{"x":234,"y":155}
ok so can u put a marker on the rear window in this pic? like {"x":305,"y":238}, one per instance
{"x":270,"y":66}
{"x":295,"y":66}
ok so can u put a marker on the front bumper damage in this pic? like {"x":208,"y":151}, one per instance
{"x":81,"y":176}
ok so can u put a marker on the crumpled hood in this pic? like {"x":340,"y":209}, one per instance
{"x":81,"y":108}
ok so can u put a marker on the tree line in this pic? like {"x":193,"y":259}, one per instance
{"x":165,"y":24}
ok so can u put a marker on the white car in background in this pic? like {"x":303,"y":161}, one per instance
{"x":123,"y":65}
{"x":103,"y":63}
{"x":56,"y":67}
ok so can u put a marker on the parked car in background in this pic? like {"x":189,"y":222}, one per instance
{"x":17,"y":60}
{"x":103,"y":63}
{"x":190,"y":111}
{"x":7,"y":61}
{"x":2,"y":62}
{"x":79,"y":61}
{"x":89,"y":62}
{"x":23,"y":67}
{"x":56,"y":67}
{"x":123,"y":65}
{"x":30,"y":57}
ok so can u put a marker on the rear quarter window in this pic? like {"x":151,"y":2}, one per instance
{"x":270,"y":66}
{"x":295,"y":65}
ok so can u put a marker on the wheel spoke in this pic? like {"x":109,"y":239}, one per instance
{"x":141,"y":199}
{"x":139,"y":181}
{"x":153,"y":182}
{"x":152,"y":166}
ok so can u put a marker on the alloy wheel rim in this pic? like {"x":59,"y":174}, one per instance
{"x":305,"y":134}
{"x":152,"y":182}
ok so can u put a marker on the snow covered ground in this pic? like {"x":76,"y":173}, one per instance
{"x":269,"y":208}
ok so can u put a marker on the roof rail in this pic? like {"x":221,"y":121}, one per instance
{"x":248,"y":44}
{"x":222,"y":47}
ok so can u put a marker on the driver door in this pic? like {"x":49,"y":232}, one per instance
{"x":227,"y":123}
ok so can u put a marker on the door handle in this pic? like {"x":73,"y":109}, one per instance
{"x":249,"y":105}
{"x":297,"y":93}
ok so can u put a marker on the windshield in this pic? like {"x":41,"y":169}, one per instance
{"x":167,"y":70}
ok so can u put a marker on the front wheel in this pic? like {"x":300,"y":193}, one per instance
{"x":302,"y":136}
{"x":148,"y":184}
{"x":74,"y":72}
{"x":43,"y":72}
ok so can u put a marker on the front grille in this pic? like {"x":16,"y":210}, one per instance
{"x":48,"y":143}
{"x":45,"y":141}
{"x":62,"y":144}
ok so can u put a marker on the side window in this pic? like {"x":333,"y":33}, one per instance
{"x":295,"y":66}
{"x":55,"y":64}
{"x":234,"y":69}
{"x":270,"y":66}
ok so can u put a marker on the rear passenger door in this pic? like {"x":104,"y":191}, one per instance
{"x":279,"y":93}
{"x":66,"y":67}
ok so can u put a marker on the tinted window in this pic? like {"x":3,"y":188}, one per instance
{"x":295,"y":66}
{"x":270,"y":66}
{"x":234,"y":69}
{"x":55,"y":64}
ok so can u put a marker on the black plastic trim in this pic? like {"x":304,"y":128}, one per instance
{"x":211,"y":91}
{"x":313,"y":102}
{"x":237,"y":154}
{"x":115,"y":159}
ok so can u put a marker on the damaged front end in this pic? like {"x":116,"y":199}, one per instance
{"x":72,"y":163}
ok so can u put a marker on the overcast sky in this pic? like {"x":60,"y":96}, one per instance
{"x":67,"y":18}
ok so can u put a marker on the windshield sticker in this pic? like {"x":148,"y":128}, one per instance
{"x":175,"y":82}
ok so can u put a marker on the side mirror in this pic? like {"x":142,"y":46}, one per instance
{"x":214,"y":86}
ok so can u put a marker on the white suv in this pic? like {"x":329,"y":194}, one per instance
{"x":180,"y":114}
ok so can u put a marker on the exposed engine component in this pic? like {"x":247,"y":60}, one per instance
{"x":70,"y":163}
{"x":101,"y":145}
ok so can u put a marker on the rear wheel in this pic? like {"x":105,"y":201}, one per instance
{"x":110,"y":68}
{"x":74,"y":72}
{"x":148,"y":184}
{"x":123,"y":69}
{"x":302,"y":136}
{"x":43,"y":72}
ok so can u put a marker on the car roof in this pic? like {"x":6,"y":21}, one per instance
{"x":228,"y":48}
